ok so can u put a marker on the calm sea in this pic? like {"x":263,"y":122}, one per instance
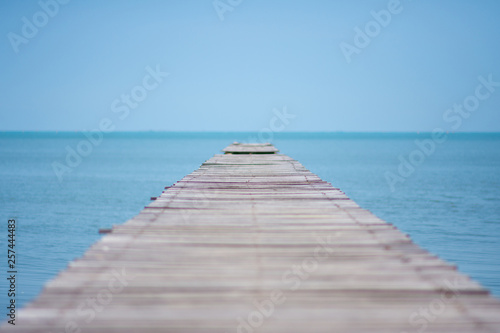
{"x":445,"y":195}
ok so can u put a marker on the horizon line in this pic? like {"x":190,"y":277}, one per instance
{"x":237,"y":132}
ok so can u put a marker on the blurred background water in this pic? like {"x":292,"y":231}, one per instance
{"x":450,"y":204}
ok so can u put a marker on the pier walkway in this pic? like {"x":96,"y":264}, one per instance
{"x":254,"y":242}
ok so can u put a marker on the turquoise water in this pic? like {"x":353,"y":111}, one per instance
{"x":450,"y":204}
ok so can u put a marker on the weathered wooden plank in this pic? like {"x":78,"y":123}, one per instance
{"x":251,"y":148}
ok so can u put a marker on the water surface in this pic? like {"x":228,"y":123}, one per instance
{"x":449,"y":205}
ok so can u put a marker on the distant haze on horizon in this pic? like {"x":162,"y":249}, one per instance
{"x":248,"y":65}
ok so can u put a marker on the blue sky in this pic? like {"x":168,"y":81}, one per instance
{"x":230,"y":74}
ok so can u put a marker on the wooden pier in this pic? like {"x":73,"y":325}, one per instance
{"x":254,"y":242}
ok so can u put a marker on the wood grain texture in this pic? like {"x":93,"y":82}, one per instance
{"x":250,"y":148}
{"x":254,"y":242}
